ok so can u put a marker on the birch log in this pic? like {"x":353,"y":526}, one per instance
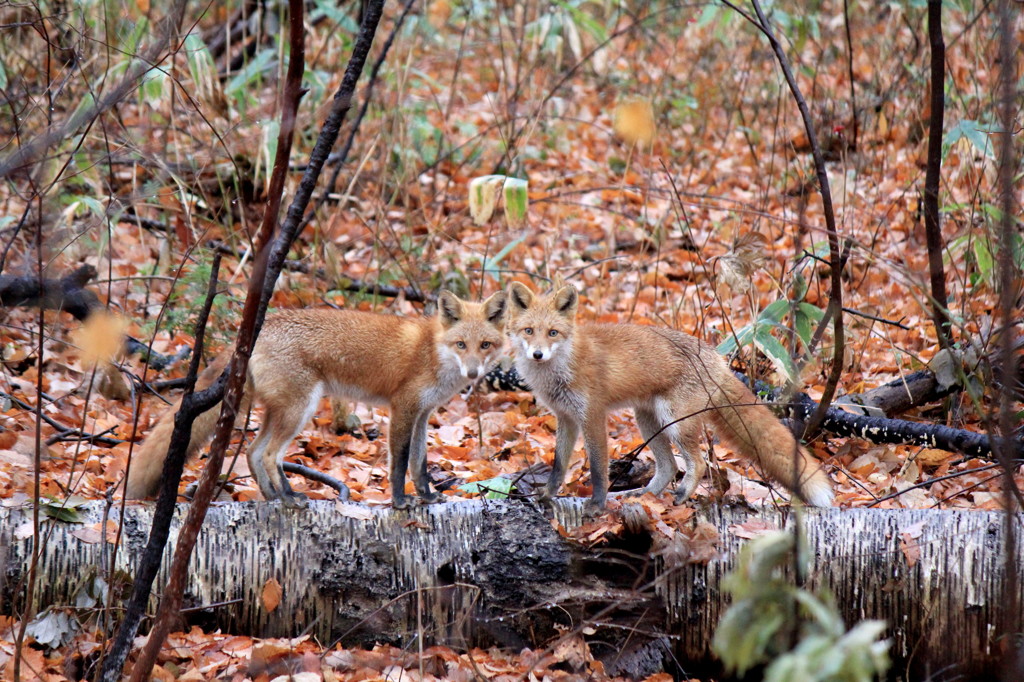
{"x":489,"y":572}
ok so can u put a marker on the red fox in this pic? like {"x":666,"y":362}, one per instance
{"x":581,"y":371}
{"x":412,"y":365}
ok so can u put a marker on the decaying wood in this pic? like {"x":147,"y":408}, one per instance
{"x":492,"y":572}
{"x":66,"y":293}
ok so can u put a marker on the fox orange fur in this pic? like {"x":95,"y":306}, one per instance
{"x":581,"y":371}
{"x":413,"y":365}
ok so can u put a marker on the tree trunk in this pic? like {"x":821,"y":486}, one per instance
{"x":489,"y":572}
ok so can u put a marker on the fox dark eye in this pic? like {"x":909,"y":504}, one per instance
{"x":485,"y":345}
{"x":461,"y":345}
{"x":553,"y":332}
{"x":528,"y":331}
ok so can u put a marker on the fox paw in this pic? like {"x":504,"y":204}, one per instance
{"x":402,"y":501}
{"x":680,"y":497}
{"x":294,"y":500}
{"x":592,"y":508}
{"x":431,"y":497}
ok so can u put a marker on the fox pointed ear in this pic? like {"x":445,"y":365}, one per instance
{"x":567,"y":299}
{"x":449,"y":307}
{"x":495,"y":307}
{"x":520,"y":296}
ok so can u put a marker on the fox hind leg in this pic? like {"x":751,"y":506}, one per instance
{"x":266,"y":457}
{"x":687,"y":439}
{"x":651,"y":423}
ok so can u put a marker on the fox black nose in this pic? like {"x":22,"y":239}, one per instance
{"x":472,"y":373}
{"x":538,"y":355}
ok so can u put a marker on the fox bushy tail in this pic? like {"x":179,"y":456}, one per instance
{"x":753,"y":430}
{"x":148,"y":460}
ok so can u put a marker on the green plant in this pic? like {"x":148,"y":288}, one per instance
{"x":180,"y":309}
{"x":981,"y":251}
{"x":492,"y":489}
{"x":797,"y":635}
{"x":758,"y":332}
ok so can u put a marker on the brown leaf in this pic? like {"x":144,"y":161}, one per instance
{"x":33,"y":665}
{"x":932,"y":457}
{"x":271,"y":594}
{"x":751,"y":529}
{"x":909,"y":545}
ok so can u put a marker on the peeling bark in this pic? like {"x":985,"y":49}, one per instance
{"x":487,"y":572}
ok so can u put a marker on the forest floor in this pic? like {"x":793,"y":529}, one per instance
{"x":701,"y":229}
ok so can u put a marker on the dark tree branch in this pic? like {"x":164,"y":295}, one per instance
{"x":932,"y":220}
{"x":192,"y":405}
{"x":899,"y":431}
{"x":66,"y":293}
{"x":268,"y":264}
{"x":319,"y":477}
{"x":1009,"y":294}
{"x":835,"y":302}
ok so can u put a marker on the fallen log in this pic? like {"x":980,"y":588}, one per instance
{"x":487,"y":572}
{"x":66,"y":293}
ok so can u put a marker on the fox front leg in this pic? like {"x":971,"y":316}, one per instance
{"x":565,"y":441}
{"x":595,"y":439}
{"x":399,"y":445}
{"x":418,"y":460}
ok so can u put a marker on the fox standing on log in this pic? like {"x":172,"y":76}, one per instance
{"x":581,"y":371}
{"x":412,"y":365}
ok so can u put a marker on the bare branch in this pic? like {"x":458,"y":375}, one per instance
{"x":932,"y":219}
{"x":145,"y":62}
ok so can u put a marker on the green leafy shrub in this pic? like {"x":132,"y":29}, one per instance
{"x":796,"y":635}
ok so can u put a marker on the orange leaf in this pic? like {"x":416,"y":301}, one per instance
{"x":271,"y":594}
{"x":634,"y":121}
{"x":100,"y":338}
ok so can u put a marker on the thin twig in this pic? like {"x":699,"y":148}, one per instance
{"x":835,"y":303}
{"x":64,"y":432}
{"x":937,"y":479}
{"x":868,"y":316}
